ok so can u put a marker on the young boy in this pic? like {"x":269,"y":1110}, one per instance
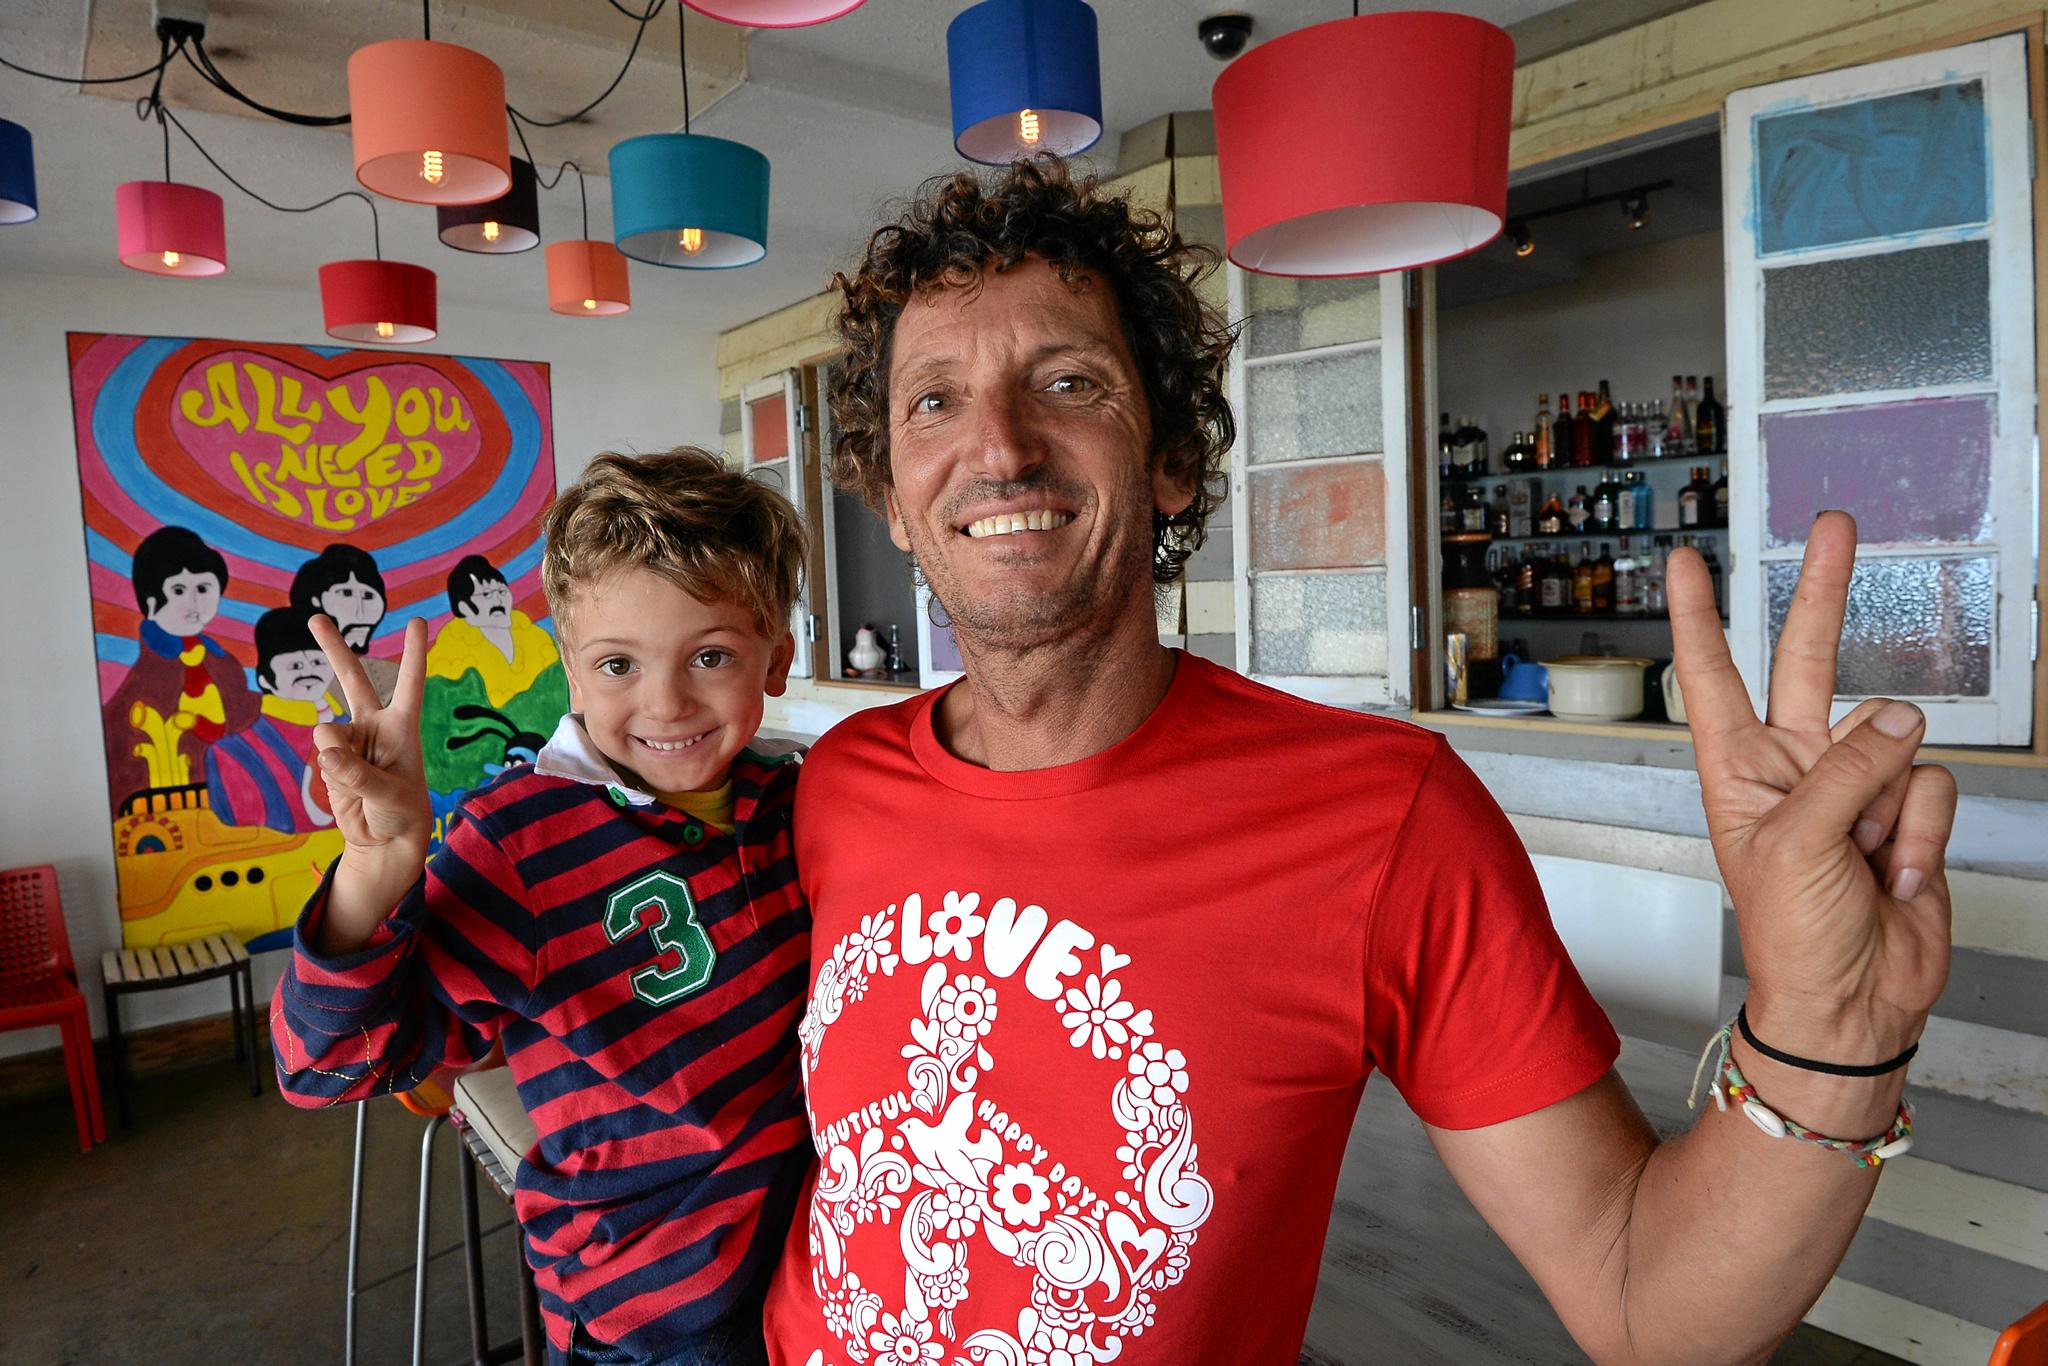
{"x":623,"y":915}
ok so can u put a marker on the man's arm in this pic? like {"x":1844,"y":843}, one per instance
{"x":1710,"y":1247}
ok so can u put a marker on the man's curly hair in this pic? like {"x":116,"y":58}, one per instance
{"x":958,"y":224}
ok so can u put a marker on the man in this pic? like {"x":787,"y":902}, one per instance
{"x":1081,"y":1057}
{"x":495,"y":684}
{"x":265,"y":775}
{"x":343,"y":582}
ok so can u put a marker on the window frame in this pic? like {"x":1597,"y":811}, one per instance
{"x":789,"y":384}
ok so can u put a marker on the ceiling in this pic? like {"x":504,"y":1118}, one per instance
{"x":851,"y":114}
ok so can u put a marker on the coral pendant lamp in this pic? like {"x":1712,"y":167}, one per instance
{"x":428,"y":121}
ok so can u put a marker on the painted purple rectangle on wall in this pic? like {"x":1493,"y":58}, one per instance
{"x":1912,"y":472}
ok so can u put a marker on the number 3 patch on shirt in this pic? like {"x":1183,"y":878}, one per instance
{"x":661,"y":904}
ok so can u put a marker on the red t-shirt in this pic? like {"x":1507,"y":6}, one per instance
{"x":1084,"y":1044}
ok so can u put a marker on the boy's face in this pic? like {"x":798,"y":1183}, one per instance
{"x":670,"y":688}
{"x":490,"y":604}
{"x":188,"y":601}
{"x":301,"y":675}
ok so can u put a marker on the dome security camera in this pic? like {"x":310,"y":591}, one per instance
{"x":1224,"y":35}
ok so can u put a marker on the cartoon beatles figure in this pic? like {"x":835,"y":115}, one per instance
{"x":495,"y":686}
{"x":265,"y":775}
{"x":184,"y":691}
{"x":343,"y":581}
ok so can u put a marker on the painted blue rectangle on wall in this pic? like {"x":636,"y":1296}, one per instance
{"x":1885,"y":167}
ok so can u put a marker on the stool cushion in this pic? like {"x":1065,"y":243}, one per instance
{"x":488,"y":1102}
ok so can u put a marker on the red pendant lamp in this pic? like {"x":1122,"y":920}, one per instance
{"x":429,"y":122}
{"x":1364,"y":145}
{"x":166,"y":228}
{"x":393,"y":303}
{"x":773,"y":13}
{"x":587,"y":278}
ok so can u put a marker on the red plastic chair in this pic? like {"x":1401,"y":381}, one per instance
{"x":2026,"y":1342}
{"x":39,"y":986}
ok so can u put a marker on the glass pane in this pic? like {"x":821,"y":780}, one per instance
{"x":1324,"y":625}
{"x":1907,"y":471}
{"x":1300,"y":409}
{"x":1915,"y":628}
{"x":1319,"y":516}
{"x":1901,"y":320}
{"x":1294,"y":315}
{"x":1876,"y":168}
{"x":771,"y":428}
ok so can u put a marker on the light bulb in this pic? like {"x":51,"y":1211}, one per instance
{"x":691,"y":240}
{"x":589,"y":305}
{"x":172,"y":260}
{"x":1027,"y":127}
{"x":386,"y":330}
{"x":431,"y":169}
{"x":490,"y":230}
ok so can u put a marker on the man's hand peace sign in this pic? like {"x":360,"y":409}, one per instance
{"x":377,"y":787}
{"x":1830,"y":839}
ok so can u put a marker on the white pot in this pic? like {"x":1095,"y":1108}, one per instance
{"x":1596,"y":688}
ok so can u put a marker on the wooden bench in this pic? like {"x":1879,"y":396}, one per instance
{"x":125,"y":971}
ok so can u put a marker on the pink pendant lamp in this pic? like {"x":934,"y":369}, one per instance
{"x":388,"y":302}
{"x":166,"y":228}
{"x":773,"y":13}
{"x":1365,"y":145}
{"x":428,"y":121}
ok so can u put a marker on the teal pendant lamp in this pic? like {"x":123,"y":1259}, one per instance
{"x":689,"y":201}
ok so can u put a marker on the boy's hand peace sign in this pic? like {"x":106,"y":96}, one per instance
{"x":1830,"y":838}
{"x":376,"y":785}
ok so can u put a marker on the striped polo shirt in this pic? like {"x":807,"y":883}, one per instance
{"x":645,"y":973}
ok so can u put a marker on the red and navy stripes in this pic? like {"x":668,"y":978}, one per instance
{"x":672,"y":1140}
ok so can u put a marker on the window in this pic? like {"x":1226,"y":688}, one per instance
{"x":1881,"y":359}
{"x":773,"y":450}
{"x":1320,"y":385}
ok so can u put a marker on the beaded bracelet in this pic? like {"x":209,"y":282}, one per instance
{"x":1872,"y":1152}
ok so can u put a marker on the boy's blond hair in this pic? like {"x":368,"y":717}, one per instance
{"x":709,"y":530}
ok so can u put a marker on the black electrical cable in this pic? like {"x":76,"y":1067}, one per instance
{"x":644,"y":20}
{"x":90,"y":80}
{"x":202,"y":63}
{"x":683,"y":59}
{"x":376,"y":224}
{"x":427,"y":19}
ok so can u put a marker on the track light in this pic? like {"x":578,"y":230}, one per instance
{"x":1518,"y":236}
{"x":1636,"y":210}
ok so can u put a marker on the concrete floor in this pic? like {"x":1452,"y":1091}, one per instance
{"x":214,"y":1230}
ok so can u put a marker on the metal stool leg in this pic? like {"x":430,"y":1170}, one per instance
{"x":531,"y":1336}
{"x":355,"y":1229}
{"x":117,"y":1053}
{"x":419,"y":1263}
{"x":249,"y":1014}
{"x":235,"y":1010}
{"x":473,"y":1257}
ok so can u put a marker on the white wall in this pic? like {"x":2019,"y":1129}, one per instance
{"x":636,"y":382}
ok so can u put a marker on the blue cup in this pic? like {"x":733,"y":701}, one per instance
{"x":1523,"y":681}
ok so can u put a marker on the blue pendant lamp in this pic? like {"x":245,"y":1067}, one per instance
{"x":689,"y":201}
{"x":17,"y":173}
{"x":1026,"y":78}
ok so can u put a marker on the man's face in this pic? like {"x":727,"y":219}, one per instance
{"x":670,"y":688}
{"x":186,"y":602}
{"x":1019,"y":454}
{"x":490,"y":604}
{"x":356,"y":608}
{"x":300,"y":675}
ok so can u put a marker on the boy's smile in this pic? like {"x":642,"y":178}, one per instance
{"x":670,"y":688}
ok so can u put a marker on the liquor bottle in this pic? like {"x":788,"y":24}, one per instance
{"x":1603,"y":579}
{"x":1519,"y":456}
{"x":1554,"y":585}
{"x":1625,"y":495}
{"x":1541,"y":436}
{"x":1692,"y":414}
{"x":1586,"y":433}
{"x":1444,"y":465}
{"x":1461,"y":449}
{"x":1472,"y":509}
{"x":1603,"y":426}
{"x":1528,"y":587}
{"x":1578,"y":510}
{"x":1646,"y":504}
{"x":1601,"y":517}
{"x":1521,"y":507}
{"x":1711,"y":422}
{"x":1677,"y":435}
{"x":1499,"y":512}
{"x":1689,"y":502}
{"x":1656,"y":432}
{"x":1721,"y":498}
{"x":895,"y":650}
{"x":1627,"y":601}
{"x":1564,"y":432}
{"x":1478,"y":439}
{"x":1582,"y":580}
{"x":1654,"y":602}
{"x":1550,"y":521}
{"x":1447,"y":511}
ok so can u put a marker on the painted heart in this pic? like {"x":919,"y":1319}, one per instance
{"x":1112,"y":960}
